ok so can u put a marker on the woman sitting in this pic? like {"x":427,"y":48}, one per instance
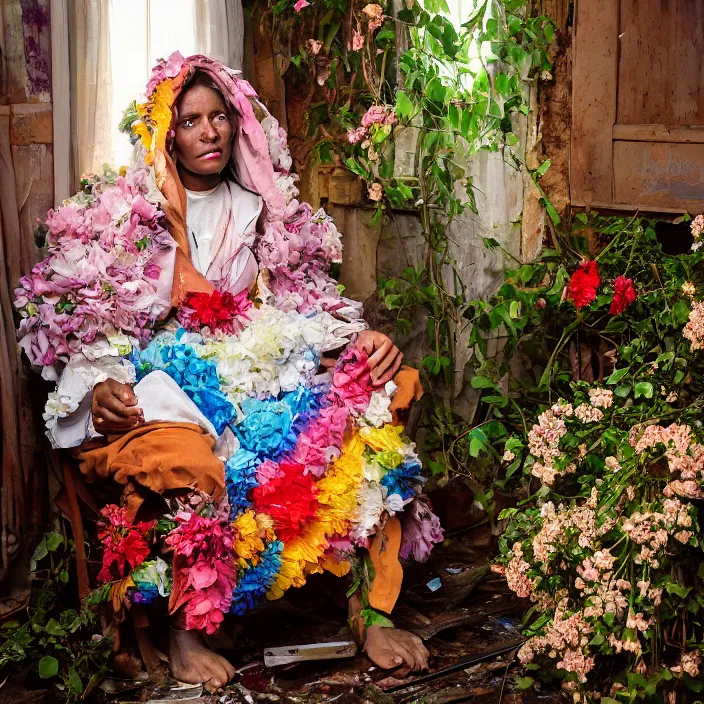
{"x":214,"y":169}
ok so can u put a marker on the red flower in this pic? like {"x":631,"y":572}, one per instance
{"x":624,"y":295}
{"x":216,"y":310}
{"x":291,"y":500}
{"x":583,"y":284}
{"x":123,"y":542}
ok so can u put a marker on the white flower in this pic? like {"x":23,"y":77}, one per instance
{"x":369,"y":509}
{"x":378,"y":413}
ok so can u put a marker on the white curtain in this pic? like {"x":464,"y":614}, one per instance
{"x":113,"y":46}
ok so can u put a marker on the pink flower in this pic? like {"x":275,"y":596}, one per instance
{"x":378,"y":115}
{"x":354,"y":136}
{"x":375,"y":192}
{"x":165,"y":68}
{"x":314,"y":46}
{"x":202,"y":575}
{"x":421,"y":530}
{"x":375,"y":14}
{"x":300,"y":4}
{"x":357,"y":41}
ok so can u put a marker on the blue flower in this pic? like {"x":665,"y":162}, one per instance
{"x":197,"y":377}
{"x":255,"y":581}
{"x":145,"y":593}
{"x":270,"y":426}
{"x":403,"y":479}
{"x":240,"y":478}
{"x":267,"y":427}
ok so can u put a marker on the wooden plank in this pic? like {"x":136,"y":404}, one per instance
{"x":61,"y":98}
{"x":661,"y":62}
{"x":660,"y":175}
{"x":594,"y":99}
{"x":630,"y":208}
{"x":659,"y":133}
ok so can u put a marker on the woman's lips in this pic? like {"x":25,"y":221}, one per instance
{"x":212,"y":155}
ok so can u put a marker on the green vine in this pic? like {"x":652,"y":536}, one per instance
{"x":404,"y":101}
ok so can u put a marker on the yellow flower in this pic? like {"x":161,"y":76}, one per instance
{"x":160,"y":115}
{"x":299,"y":558}
{"x":155,"y":119}
{"x":382,"y":439}
{"x":248,"y":543}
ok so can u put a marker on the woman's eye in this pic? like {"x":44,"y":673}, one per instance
{"x":187,"y":123}
{"x":221,"y":117}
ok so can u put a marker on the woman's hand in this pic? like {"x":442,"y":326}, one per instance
{"x":115,"y":408}
{"x":384,"y":357}
{"x":392,"y":648}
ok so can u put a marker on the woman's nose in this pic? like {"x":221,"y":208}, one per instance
{"x":209,"y":134}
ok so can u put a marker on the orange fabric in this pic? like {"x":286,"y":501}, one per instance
{"x":388,"y":573}
{"x":409,"y":389}
{"x":186,"y":277}
{"x":159,"y":457}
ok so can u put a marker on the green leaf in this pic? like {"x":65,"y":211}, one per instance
{"x":74,"y":681}
{"x":677,"y":589}
{"x":644,"y":388}
{"x":525,"y":683}
{"x":542,"y":169}
{"x":501,"y":84}
{"x":405,"y":109}
{"x":617,"y":375}
{"x":552,"y":213}
{"x":482,"y":382}
{"x":374,"y":618}
{"x":48,"y":667}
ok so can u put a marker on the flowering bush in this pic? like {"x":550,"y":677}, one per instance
{"x":601,"y":439}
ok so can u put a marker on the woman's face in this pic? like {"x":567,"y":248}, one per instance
{"x":203,"y":141}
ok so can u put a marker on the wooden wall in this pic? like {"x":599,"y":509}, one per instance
{"x":26,"y":193}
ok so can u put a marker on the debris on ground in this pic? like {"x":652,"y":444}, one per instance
{"x":464,"y":613}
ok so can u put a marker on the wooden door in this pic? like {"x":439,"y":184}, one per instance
{"x":638,"y":105}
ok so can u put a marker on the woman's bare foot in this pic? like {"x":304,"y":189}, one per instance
{"x":192,"y":662}
{"x":390,"y":648}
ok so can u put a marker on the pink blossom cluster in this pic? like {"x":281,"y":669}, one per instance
{"x":684,"y":456}
{"x":697,"y":227}
{"x":204,"y":570}
{"x":295,"y":255}
{"x":515,"y":571}
{"x":588,"y":414}
{"x":602,"y":398}
{"x":566,"y":639}
{"x":109,"y":270}
{"x":690,"y":662}
{"x":377,"y":116}
{"x":694,"y":329}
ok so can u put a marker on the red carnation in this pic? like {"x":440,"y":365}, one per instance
{"x":291,"y":500}
{"x":624,"y":295}
{"x":216,"y":310}
{"x":123,"y":542}
{"x":583,"y":284}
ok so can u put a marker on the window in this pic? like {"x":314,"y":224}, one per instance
{"x":109,"y":49}
{"x":140,"y":33}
